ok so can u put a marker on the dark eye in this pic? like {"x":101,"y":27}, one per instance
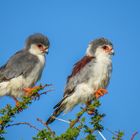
{"x":39,"y":45}
{"x":105,"y":47}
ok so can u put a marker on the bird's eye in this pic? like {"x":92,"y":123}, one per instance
{"x":39,"y":45}
{"x":105,"y":47}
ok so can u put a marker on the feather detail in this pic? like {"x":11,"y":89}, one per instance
{"x":57,"y":112}
{"x":77,"y":68}
{"x":80,"y":64}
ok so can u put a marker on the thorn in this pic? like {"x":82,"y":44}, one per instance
{"x":100,"y":133}
{"x":62,"y":120}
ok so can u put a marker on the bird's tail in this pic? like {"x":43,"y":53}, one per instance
{"x":59,"y":108}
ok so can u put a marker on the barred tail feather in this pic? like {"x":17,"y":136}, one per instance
{"x":59,"y":104}
{"x":56,"y":113}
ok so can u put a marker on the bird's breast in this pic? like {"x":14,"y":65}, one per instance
{"x":36,"y":73}
{"x":100,"y":74}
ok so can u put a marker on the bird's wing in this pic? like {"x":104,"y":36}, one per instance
{"x":78,"y":75}
{"x":21,"y":63}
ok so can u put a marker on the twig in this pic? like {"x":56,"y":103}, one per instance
{"x":100,"y":133}
{"x":111,"y":132}
{"x":46,"y":85}
{"x":11,"y":112}
{"x":25,"y":123}
{"x":42,"y":122}
{"x":62,"y":120}
{"x":73,"y":122}
{"x":45,"y":92}
{"x":134,"y":134}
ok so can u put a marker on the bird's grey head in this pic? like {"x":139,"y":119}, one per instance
{"x":37,"y":44}
{"x":100,"y":46}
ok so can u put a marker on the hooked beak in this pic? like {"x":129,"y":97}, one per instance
{"x":112,"y":52}
{"x":45,"y":50}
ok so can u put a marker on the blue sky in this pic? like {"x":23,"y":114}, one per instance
{"x":70,"y":26}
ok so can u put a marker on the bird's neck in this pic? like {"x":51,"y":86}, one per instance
{"x":103,"y":58}
{"x":41,"y":57}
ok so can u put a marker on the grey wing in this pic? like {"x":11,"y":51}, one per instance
{"x":82,"y":76}
{"x":21,"y":63}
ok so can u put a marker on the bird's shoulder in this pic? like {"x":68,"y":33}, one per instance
{"x":80,"y":65}
{"x":75,"y":77}
{"x":22,"y":56}
{"x":22,"y":62}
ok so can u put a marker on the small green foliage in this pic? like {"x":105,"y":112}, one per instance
{"x":96,"y":119}
{"x":79,"y":114}
{"x":118,"y":135}
{"x":43,"y":135}
{"x":73,"y":131}
{"x":88,"y":129}
{"x":10,"y":112}
{"x":90,"y":137}
{"x":70,"y":134}
{"x":2,"y":138}
{"x":83,"y":119}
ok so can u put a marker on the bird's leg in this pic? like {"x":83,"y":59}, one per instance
{"x":100,"y":92}
{"x":90,"y":110}
{"x":32,"y":91}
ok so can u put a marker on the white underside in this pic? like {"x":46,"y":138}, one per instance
{"x":15,"y":86}
{"x":99,"y":77}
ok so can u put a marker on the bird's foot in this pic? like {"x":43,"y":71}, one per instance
{"x":32,"y":91}
{"x":100,"y":92}
{"x":36,"y":96}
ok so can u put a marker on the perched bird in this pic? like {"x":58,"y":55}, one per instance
{"x":89,"y":78}
{"x":24,"y":68}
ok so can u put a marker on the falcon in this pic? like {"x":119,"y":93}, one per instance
{"x":24,"y":68}
{"x":89,"y":78}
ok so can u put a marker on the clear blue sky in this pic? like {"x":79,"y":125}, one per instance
{"x":70,"y":26}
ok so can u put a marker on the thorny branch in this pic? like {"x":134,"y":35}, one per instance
{"x":49,"y":129}
{"x":132,"y":138}
{"x":47,"y":134}
{"x":73,"y":122}
{"x":8,"y":112}
{"x":24,"y":123}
